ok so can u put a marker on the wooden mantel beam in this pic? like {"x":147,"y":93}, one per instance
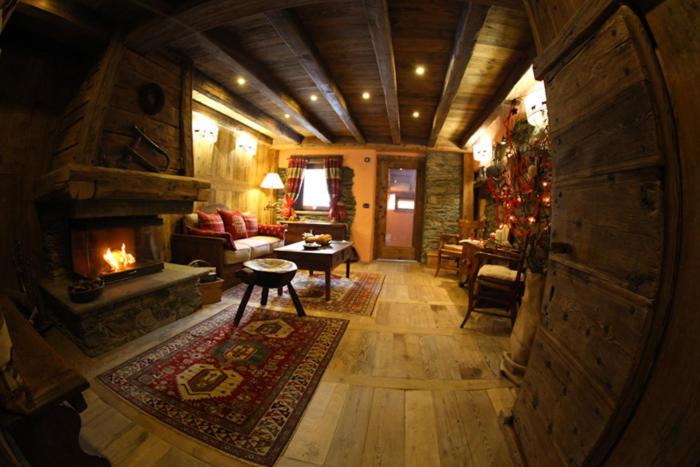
{"x":214,"y":58}
{"x":516,"y":72}
{"x":471,"y":20}
{"x":380,"y":32}
{"x":292,"y":33}
{"x":165,"y":29}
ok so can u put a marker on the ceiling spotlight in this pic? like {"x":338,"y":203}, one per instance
{"x":420,"y":70}
{"x":415,"y":114}
{"x":314,"y":97}
{"x":366,"y":95}
{"x":240,"y":81}
{"x":286,"y":115}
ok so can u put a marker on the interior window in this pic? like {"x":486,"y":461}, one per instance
{"x":314,"y":194}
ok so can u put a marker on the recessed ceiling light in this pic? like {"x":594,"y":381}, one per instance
{"x":286,"y":115}
{"x":366,"y":95}
{"x":415,"y":114}
{"x":314,"y":97}
{"x":240,"y":81}
{"x":420,"y":70}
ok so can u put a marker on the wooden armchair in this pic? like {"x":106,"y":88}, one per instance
{"x":498,"y":284}
{"x":449,"y":248}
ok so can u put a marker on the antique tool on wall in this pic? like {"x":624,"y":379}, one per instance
{"x":131,"y":152}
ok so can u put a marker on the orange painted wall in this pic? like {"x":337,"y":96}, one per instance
{"x":364,"y":185}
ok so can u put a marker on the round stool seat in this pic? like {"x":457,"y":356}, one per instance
{"x":268,"y":273}
{"x":273,"y":265}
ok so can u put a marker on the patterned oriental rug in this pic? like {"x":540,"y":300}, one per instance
{"x":356,"y":295}
{"x":242,"y":391}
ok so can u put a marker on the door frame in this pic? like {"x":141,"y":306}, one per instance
{"x":384,"y":163}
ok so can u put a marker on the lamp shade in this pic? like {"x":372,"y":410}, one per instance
{"x":272,"y":181}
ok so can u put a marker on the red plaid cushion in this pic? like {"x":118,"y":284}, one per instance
{"x":229,"y":245}
{"x":251,"y":224}
{"x":272,"y":230}
{"x":211,"y":222}
{"x":234,"y":224}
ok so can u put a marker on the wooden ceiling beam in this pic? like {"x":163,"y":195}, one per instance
{"x":71,"y":13}
{"x":292,"y":33}
{"x":207,"y":52}
{"x":512,"y":4}
{"x":471,"y":20}
{"x":225,"y":97}
{"x":380,"y":33}
{"x":165,"y":29}
{"x":516,"y":72}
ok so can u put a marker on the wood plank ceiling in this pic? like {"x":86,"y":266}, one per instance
{"x":307,"y":63}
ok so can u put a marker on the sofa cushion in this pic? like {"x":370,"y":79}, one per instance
{"x":190,"y":220}
{"x":272,"y":230}
{"x":251,"y":223}
{"x":237,"y":256}
{"x":259,"y":246}
{"x":211,"y":222}
{"x":234,"y":223}
{"x":494,"y":271}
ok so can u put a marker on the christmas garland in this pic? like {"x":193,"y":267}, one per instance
{"x":522,"y":186}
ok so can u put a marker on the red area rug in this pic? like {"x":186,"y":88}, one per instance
{"x":241,"y":390}
{"x":355,"y":295}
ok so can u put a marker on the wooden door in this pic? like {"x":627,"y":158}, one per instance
{"x":613,"y":222}
{"x":399,"y":207}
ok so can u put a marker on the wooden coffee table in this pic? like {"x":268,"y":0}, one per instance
{"x":324,"y":259}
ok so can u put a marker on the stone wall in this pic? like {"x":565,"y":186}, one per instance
{"x":443,"y":197}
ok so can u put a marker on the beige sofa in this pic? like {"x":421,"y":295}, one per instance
{"x":186,"y":248}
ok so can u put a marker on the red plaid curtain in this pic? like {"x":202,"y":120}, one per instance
{"x":295,"y":173}
{"x":333,"y":167}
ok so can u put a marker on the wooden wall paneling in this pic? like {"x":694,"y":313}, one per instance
{"x":664,"y":425}
{"x":611,"y":221}
{"x":468,"y":187}
{"x":83,"y":122}
{"x":186,"y":161}
{"x":548,"y":18}
{"x":472,"y":18}
{"x":125,"y":111}
{"x":380,"y":32}
{"x":290,"y":30}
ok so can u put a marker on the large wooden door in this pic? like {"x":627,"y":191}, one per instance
{"x":399,"y":207}
{"x":614,"y":219}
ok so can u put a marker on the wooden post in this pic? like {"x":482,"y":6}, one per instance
{"x":468,"y":187}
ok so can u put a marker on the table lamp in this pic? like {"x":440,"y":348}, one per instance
{"x":272,"y":181}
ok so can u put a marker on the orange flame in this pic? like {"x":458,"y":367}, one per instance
{"x":118,"y":260}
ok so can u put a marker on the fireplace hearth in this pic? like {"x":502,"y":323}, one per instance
{"x":116,"y":248}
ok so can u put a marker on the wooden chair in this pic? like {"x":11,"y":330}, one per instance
{"x":498,"y":284}
{"x":449,"y":248}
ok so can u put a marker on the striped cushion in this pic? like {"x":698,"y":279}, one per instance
{"x":234,"y":223}
{"x":251,"y":224}
{"x":212,"y":222}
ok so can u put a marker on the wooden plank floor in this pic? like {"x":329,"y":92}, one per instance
{"x":405,"y":387}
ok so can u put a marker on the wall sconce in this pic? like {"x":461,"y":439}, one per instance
{"x":246,"y":142}
{"x":536,"y":106}
{"x":483,"y":150}
{"x":205,"y":128}
{"x":272,"y":181}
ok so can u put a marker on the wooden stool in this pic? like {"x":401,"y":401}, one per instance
{"x":267,"y":273}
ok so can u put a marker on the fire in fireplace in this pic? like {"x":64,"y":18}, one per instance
{"x":117,"y":247}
